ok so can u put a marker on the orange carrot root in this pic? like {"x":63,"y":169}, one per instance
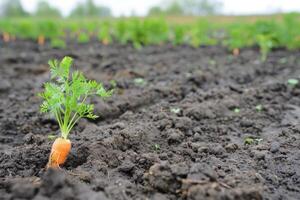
{"x":236,"y":52}
{"x":6,"y":37}
{"x":59,"y":153}
{"x":41,"y":40}
{"x":105,"y":42}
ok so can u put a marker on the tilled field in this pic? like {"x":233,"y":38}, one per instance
{"x":184,"y":123}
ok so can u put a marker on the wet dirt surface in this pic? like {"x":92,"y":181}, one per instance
{"x":175,"y":129}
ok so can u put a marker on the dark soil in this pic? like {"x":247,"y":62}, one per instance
{"x":177,"y":135}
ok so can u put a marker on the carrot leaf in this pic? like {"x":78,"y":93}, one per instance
{"x":66,"y":95}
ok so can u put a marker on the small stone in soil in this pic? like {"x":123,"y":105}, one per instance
{"x":246,"y":123}
{"x":4,"y":85}
{"x":197,"y":137}
{"x":259,"y":155}
{"x":126,"y":167}
{"x":231,"y":148}
{"x":274,"y":147}
{"x":203,"y":149}
{"x":161,"y":178}
{"x":217,"y":149}
{"x":175,"y":137}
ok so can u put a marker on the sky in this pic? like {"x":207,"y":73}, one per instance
{"x":140,"y":7}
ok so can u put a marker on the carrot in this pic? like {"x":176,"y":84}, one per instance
{"x":41,"y":40}
{"x":59,"y":152}
{"x":236,"y":52}
{"x":59,"y":99}
{"x":6,"y":37}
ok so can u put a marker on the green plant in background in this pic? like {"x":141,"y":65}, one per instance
{"x":259,"y":108}
{"x":58,"y":43}
{"x":290,"y":31}
{"x":178,"y":34}
{"x":156,"y":147}
{"x":293,"y":82}
{"x":251,"y":141}
{"x":175,"y":110}
{"x":237,"y":110}
{"x":266,"y":33}
{"x":104,"y":33}
{"x":83,"y":38}
{"x":265,"y":45}
{"x":239,"y":36}
{"x":140,"y":82}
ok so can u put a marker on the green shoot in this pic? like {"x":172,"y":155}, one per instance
{"x":139,"y":82}
{"x":265,"y":44}
{"x":156,"y":147}
{"x":250,"y":141}
{"x":66,"y":96}
{"x":259,"y":108}
{"x":237,"y":110}
{"x":58,"y":43}
{"x":175,"y":110}
{"x":212,"y":62}
{"x":83,"y":38}
{"x":293,"y":82}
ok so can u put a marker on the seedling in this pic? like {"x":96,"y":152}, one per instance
{"x":156,"y":147}
{"x":175,"y":110}
{"x":212,"y":62}
{"x":250,"y":141}
{"x":259,"y":108}
{"x":66,"y":98}
{"x":265,"y":44}
{"x":237,"y":110}
{"x":83,"y":38}
{"x":58,"y":43}
{"x":293,"y":82}
{"x":139,"y":82}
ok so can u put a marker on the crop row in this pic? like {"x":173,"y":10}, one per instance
{"x":267,"y":34}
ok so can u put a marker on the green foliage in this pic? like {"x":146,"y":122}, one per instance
{"x":259,"y":108}
{"x":175,"y":110}
{"x":240,"y":35}
{"x":156,"y":147}
{"x":290,"y":31}
{"x":105,"y":33}
{"x":58,"y":43}
{"x":265,"y":44}
{"x":293,"y":82}
{"x":201,"y":34}
{"x":267,"y":34}
{"x":237,"y":110}
{"x":251,"y":141}
{"x":140,"y":82}
{"x":66,"y":95}
{"x":83,"y":38}
{"x":178,"y":35}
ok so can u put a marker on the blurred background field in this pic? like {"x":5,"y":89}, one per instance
{"x":192,"y":22}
